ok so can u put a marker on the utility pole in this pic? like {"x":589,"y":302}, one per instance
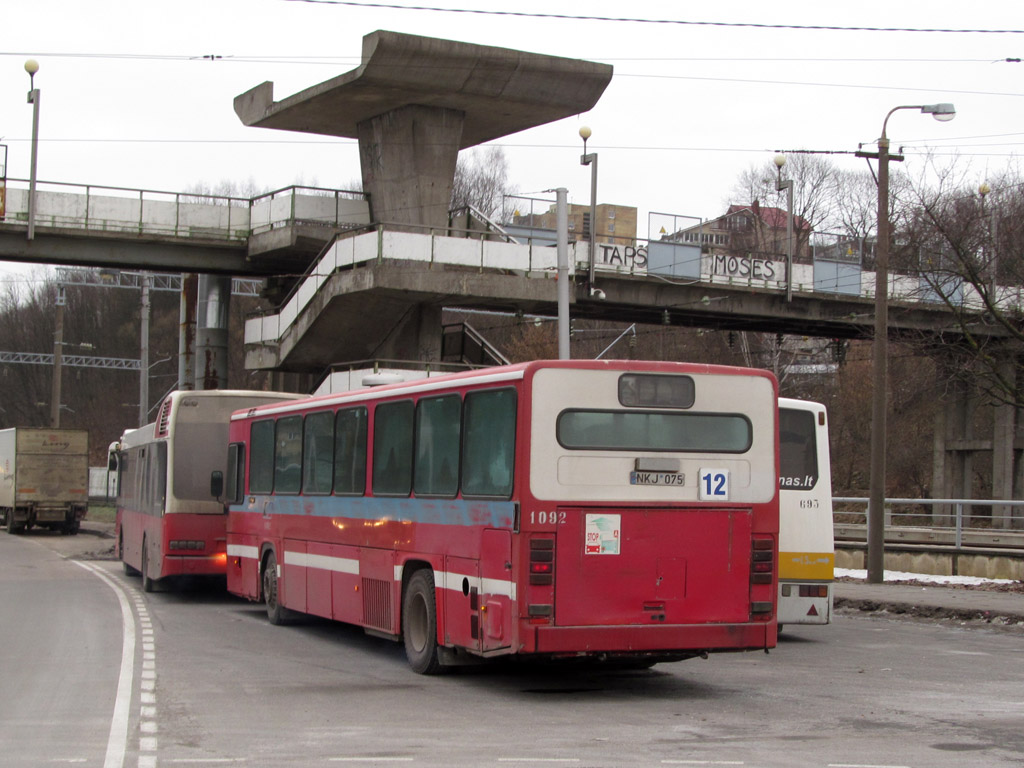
{"x":144,"y":353}
{"x":58,"y":346}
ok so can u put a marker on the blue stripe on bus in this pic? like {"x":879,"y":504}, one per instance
{"x":492,"y":514}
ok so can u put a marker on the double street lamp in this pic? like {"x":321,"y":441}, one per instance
{"x":876,"y":493}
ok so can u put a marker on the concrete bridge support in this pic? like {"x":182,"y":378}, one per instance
{"x":212,"y":332}
{"x":408,"y":158}
{"x":958,"y":450}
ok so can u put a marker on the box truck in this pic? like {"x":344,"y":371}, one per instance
{"x":44,"y":478}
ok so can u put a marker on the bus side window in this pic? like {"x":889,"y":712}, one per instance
{"x":350,"y":452}
{"x":488,"y":443}
{"x":288,"y":455}
{"x":261,"y":457}
{"x":392,"y":448}
{"x":232,"y":489}
{"x":158,"y":478}
{"x":318,"y":453}
{"x":438,"y":429}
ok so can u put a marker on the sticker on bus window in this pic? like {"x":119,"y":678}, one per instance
{"x":713,"y":484}
{"x":602,"y":534}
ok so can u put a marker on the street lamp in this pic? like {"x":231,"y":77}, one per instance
{"x":993,"y":257}
{"x":591,"y":160}
{"x":780,"y":160}
{"x":32,"y":66}
{"x":876,"y":493}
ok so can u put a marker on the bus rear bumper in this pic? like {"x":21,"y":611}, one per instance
{"x":194,"y":565}
{"x":632,"y":639}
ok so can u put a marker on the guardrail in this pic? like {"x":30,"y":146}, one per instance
{"x":1003,"y":528}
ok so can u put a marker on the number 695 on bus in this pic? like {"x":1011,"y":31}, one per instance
{"x":713,"y":484}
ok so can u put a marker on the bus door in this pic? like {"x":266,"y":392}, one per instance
{"x":623,"y":566}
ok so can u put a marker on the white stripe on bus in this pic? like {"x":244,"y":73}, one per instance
{"x":322,"y":562}
{"x":445,"y":580}
{"x":243,"y":550}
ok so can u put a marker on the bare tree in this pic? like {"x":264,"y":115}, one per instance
{"x":481,"y":180}
{"x":815,"y":188}
{"x":968,"y":247}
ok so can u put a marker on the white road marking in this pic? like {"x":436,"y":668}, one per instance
{"x":117,"y":741}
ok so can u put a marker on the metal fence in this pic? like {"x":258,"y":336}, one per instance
{"x":956,"y":522}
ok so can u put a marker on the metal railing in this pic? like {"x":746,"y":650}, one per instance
{"x":951,"y":521}
{"x":112,"y":210}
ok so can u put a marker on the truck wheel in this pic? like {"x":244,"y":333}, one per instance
{"x":148,"y":584}
{"x":277,"y":614}
{"x":419,"y":623}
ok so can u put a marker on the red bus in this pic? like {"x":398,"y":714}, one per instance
{"x":620,"y":510}
{"x":168,"y":524}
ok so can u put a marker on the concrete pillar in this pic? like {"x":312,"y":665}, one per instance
{"x":408,"y":158}
{"x":940,"y":480}
{"x":967,"y":406}
{"x":1003,"y":431}
{"x":212,"y":331}
{"x":187,"y":332}
{"x":416,"y":336}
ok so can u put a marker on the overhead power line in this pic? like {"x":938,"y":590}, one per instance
{"x":626,"y":19}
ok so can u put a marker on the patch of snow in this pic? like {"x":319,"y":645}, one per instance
{"x":924,"y":577}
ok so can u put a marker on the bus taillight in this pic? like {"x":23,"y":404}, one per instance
{"x":542,"y":562}
{"x":762,"y":575}
{"x":762,"y":561}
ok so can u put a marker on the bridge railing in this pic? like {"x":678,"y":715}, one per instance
{"x":103,"y":209}
{"x":335,"y":208}
{"x":955,"y":522}
{"x":382,"y":244}
{"x":120,"y":210}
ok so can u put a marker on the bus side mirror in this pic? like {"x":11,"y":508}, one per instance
{"x":112,"y":462}
{"x":216,"y":484}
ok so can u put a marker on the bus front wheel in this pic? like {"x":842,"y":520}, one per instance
{"x":276,"y":613}
{"x":419,"y":624}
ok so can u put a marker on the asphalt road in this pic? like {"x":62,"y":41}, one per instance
{"x":214,"y":684}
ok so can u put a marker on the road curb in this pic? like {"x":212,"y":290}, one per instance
{"x":1000,"y":618}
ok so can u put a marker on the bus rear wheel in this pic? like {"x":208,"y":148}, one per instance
{"x":276,"y":613}
{"x":148,"y":584}
{"x":419,"y":624}
{"x":129,"y":570}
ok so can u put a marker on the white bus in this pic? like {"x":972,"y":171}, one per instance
{"x":806,"y":539}
{"x":168,"y":523}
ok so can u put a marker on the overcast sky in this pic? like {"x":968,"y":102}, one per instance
{"x":128,"y":99}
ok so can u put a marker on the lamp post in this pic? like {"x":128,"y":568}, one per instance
{"x":591,"y":160}
{"x":876,"y":493}
{"x":32,"y":66}
{"x":993,"y":257}
{"x":780,"y":160}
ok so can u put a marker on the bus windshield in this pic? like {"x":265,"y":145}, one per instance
{"x":798,"y":461}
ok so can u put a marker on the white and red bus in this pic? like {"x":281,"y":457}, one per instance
{"x":612,"y":509}
{"x":168,"y":524}
{"x":806,"y":536}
